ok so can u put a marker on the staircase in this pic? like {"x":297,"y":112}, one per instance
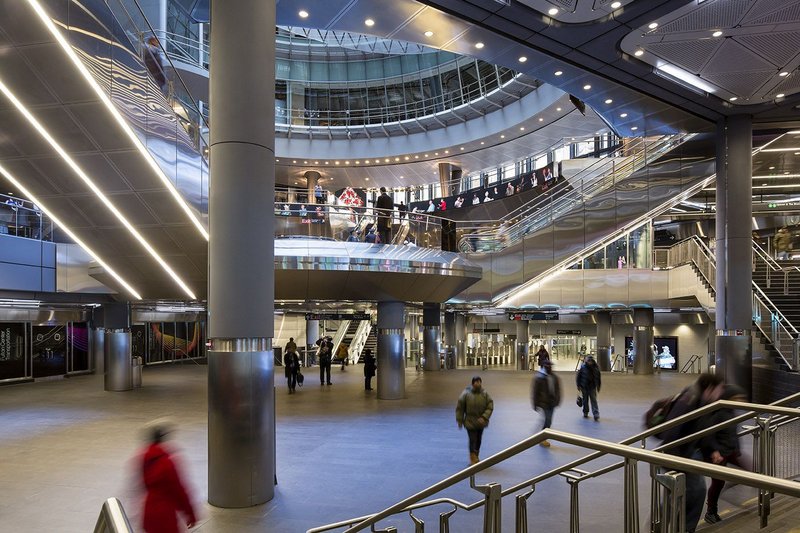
{"x":784,"y":518}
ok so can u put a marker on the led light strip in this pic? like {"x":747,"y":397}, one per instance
{"x":89,"y":183}
{"x":19,"y":186}
{"x":51,"y":26}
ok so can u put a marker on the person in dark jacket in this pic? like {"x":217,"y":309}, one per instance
{"x":166,"y":495}
{"x":291,"y":364}
{"x":473,"y":410}
{"x":542,"y":356}
{"x":325,"y":354}
{"x":588,"y":381}
{"x":154,"y":61}
{"x":369,"y":369}
{"x":546,"y":394}
{"x":722,"y":448}
{"x":707,"y":389}
{"x":385,"y":207}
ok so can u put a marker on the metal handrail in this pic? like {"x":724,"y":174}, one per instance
{"x":690,"y":363}
{"x":112,"y":518}
{"x":582,"y":441}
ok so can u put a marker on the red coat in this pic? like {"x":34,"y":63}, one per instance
{"x":166,"y":495}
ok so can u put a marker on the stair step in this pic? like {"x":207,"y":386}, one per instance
{"x":784,"y":518}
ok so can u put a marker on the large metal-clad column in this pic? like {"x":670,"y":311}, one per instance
{"x":445,"y":177}
{"x":450,"y":337}
{"x":734,"y":251}
{"x":391,"y":359}
{"x":461,"y":340}
{"x":643,"y":340}
{"x":431,"y":334}
{"x":312,"y":180}
{"x":522,"y":344}
{"x":604,"y":340}
{"x":241,"y":396}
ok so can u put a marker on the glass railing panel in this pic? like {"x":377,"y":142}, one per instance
{"x":22,"y":218}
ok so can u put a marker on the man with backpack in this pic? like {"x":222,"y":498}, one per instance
{"x":588,"y":381}
{"x":325,"y":354}
{"x":707,"y":389}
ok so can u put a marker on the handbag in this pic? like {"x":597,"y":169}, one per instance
{"x":579,"y":401}
{"x":300,"y":378}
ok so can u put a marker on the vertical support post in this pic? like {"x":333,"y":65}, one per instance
{"x":643,"y":340}
{"x":492,"y":517}
{"x":444,"y":520}
{"x":604,"y":340}
{"x":523,"y":334}
{"x":521,"y":525}
{"x":450,"y":339}
{"x":391,"y":344}
{"x":312,"y":180}
{"x":574,"y":506}
{"x":431,"y":334}
{"x":461,"y":340}
{"x":419,"y":524}
{"x":734,"y":250}
{"x":631,"y":498}
{"x":241,"y":395}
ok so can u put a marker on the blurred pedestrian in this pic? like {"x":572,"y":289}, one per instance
{"x":473,"y":410}
{"x":542,"y":356}
{"x":291,"y":364}
{"x":166,"y":495}
{"x":546,"y":395}
{"x":154,"y":61}
{"x":588,"y":381}
{"x":369,"y":369}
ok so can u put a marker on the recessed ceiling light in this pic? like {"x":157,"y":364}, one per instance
{"x":402,"y":177}
{"x":615,"y":5}
{"x":447,"y":151}
{"x":609,"y":100}
{"x":717,"y":33}
{"x":385,"y":160}
{"x":772,"y":168}
{"x":502,"y":136}
{"x":481,"y":143}
{"x":478,"y":45}
{"x":327,"y":162}
{"x":429,"y":33}
{"x":558,"y":73}
{"x":366,"y":179}
{"x":277,"y":160}
{"x":337,"y":162}
{"x":623,"y":115}
{"x":316,"y":162}
{"x":397,"y":159}
{"x":779,"y":95}
{"x":552,"y":11}
{"x":303,"y":14}
{"x":783,"y":74}
{"x":305,"y":162}
{"x":639,"y":52}
{"x":734,"y":98}
{"x":522,"y":128}
{"x":522,"y":59}
{"x":461,"y":148}
{"x":541,"y":119}
{"x":634,"y":128}
{"x":369,"y":22}
{"x":558,"y":109}
{"x":294,"y":161}
{"x":587,"y":87}
{"x":426,"y":155}
{"x":416,"y":157}
{"x":653,"y":25}
{"x":406,"y":158}
{"x":347,"y":162}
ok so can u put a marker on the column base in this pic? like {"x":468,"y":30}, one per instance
{"x":734,"y":359}
{"x":391,"y":365}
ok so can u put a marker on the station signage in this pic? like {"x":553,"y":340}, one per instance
{"x":569,"y":332}
{"x":337,"y":316}
{"x":533,"y":316}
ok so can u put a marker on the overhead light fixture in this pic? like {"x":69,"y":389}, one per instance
{"x":461,"y":148}
{"x":397,"y":159}
{"x":552,"y":11}
{"x":303,"y":14}
{"x":407,"y":158}
{"x":479,"y":45}
{"x":558,"y":73}
{"x":587,"y":87}
{"x":436,"y":153}
{"x":653,"y":25}
{"x":123,"y":124}
{"x":336,"y":162}
{"x":522,"y":59}
{"x":684,"y":78}
{"x":429,"y":33}
{"x":780,"y":95}
{"x":522,"y":128}
{"x":481,"y":143}
{"x":639,"y":53}
{"x":783,"y":74}
{"x":366,"y":179}
{"x":294,"y":160}
{"x":416,"y":157}
{"x":541,"y":119}
{"x":502,"y":136}
{"x":447,"y":151}
{"x":733,"y":98}
{"x":609,"y":100}
{"x":558,"y":109}
{"x":615,"y":5}
{"x":94,"y":188}
{"x":25,"y":192}
{"x":623,"y":115}
{"x":634,"y":128}
{"x":717,"y":33}
{"x":369,"y":23}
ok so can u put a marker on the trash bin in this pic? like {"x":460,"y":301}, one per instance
{"x":136,"y":372}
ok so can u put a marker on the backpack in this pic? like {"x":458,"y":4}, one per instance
{"x":659,"y":411}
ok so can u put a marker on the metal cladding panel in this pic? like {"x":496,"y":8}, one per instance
{"x":568,"y":233}
{"x":507,"y":268}
{"x":601,"y":214}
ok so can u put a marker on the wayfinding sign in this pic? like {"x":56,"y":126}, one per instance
{"x":337,"y":316}
{"x":539,"y":315}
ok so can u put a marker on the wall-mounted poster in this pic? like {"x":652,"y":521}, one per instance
{"x":79,"y":342}
{"x":49,"y":351}
{"x":12,"y":350}
{"x":664,"y":352}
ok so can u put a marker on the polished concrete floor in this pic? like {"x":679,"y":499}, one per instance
{"x":66,"y":445}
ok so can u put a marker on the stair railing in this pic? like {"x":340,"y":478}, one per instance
{"x":359,"y":340}
{"x":621,"y":361}
{"x":772,"y":267}
{"x":574,"y":475}
{"x":338,"y":337}
{"x":690,"y":364}
{"x":112,"y":518}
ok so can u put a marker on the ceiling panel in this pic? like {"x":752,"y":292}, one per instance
{"x":59,"y":175}
{"x":137,"y":172}
{"x":29,"y":174}
{"x":24,"y":139}
{"x":102,"y":173}
{"x":20,"y":23}
{"x":19,"y":78}
{"x":104,"y":130}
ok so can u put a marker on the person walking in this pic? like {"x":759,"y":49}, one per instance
{"x":722,"y":448}
{"x":588,"y":381}
{"x":325,"y":354}
{"x":783,"y":243}
{"x":384,"y":206}
{"x":473,"y":410}
{"x":291,"y":364}
{"x":707,"y":389}
{"x":542,"y":356}
{"x":546,"y":395}
{"x":369,"y":368}
{"x":154,"y":62}
{"x":166,"y":496}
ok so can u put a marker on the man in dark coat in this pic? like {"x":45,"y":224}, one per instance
{"x":369,"y":369}
{"x":473,"y":410}
{"x":385,"y":206}
{"x":325,"y":354}
{"x":291,"y":364}
{"x":588,"y":382}
{"x":546,"y":395}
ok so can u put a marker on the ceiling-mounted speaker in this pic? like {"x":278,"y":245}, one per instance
{"x":579,"y":104}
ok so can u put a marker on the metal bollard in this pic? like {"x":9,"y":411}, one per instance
{"x":521,"y":525}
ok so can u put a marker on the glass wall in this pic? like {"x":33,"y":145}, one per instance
{"x":632,"y":250}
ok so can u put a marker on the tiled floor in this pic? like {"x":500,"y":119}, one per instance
{"x":65,"y":446}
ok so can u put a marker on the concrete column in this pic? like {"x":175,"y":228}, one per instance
{"x":391,"y":359}
{"x":117,"y":355}
{"x":312,"y":179}
{"x":241,"y":396}
{"x":461,"y":340}
{"x":431,"y":334}
{"x":604,"y":340}
{"x":98,"y":350}
{"x":522,"y":344}
{"x":734,"y":250}
{"x":643,"y":340}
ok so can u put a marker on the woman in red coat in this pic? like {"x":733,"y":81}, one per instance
{"x":166,"y":495}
